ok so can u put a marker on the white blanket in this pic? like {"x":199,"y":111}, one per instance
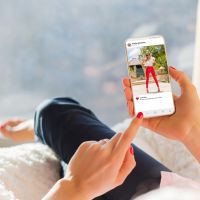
{"x":28,"y":171}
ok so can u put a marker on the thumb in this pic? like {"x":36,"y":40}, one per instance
{"x":181,"y":78}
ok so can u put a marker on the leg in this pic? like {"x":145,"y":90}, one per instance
{"x":147,"y":79}
{"x":155,"y":78}
{"x":64,"y":124}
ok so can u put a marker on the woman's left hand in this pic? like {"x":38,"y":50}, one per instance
{"x":98,"y":167}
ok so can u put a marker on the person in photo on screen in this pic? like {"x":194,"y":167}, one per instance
{"x":149,"y":63}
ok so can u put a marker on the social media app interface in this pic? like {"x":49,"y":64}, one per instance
{"x":150,"y":81}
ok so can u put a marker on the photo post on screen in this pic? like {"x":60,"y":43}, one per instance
{"x":149,"y":74}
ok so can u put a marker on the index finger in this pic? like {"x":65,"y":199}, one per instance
{"x":127,"y":137}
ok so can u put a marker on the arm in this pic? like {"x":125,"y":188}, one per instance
{"x":65,"y":189}
{"x":184,"y":124}
{"x":192,"y":140}
{"x":154,"y":62}
{"x":143,"y":62}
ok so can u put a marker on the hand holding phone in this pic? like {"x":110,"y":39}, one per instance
{"x":149,"y":75}
{"x":184,"y":125}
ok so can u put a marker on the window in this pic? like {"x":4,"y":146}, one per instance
{"x":75,"y":48}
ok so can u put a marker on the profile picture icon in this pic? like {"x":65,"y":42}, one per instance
{"x":129,"y":44}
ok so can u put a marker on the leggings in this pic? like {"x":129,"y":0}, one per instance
{"x":63,"y":124}
{"x":151,"y":70}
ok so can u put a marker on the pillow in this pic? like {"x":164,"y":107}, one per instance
{"x":5,"y":194}
{"x":27,"y":171}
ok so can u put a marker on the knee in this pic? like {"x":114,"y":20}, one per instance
{"x":41,"y":113}
{"x":45,"y":113}
{"x":48,"y":106}
{"x":43,"y":107}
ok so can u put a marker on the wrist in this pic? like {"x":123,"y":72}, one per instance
{"x":73,"y":190}
{"x":66,"y":189}
{"x":191,"y":140}
{"x":192,"y":133}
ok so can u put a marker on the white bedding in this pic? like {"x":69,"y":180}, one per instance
{"x":28,"y":171}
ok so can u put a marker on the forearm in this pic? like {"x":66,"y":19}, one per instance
{"x":192,"y":141}
{"x":64,"y":190}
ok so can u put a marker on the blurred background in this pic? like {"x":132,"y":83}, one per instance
{"x":75,"y":48}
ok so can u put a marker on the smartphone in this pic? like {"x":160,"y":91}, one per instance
{"x":149,"y":74}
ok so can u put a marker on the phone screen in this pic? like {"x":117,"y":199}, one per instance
{"x":149,"y":75}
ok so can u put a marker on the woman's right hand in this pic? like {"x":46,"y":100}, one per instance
{"x":98,"y":166}
{"x":184,"y":124}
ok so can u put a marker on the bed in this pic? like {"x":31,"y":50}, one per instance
{"x":28,"y":171}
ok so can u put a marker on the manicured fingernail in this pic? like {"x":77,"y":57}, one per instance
{"x":172,"y":67}
{"x":131,"y":150}
{"x":140,"y":115}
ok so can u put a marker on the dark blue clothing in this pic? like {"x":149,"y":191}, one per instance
{"x":63,"y":124}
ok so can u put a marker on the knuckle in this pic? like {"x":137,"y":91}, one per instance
{"x":107,"y":157}
{"x":182,"y":76}
{"x":124,"y":137}
{"x":95,"y":146}
{"x":105,"y":154}
{"x":193,"y":88}
{"x":84,"y":144}
{"x":121,"y":181}
{"x":120,"y":133}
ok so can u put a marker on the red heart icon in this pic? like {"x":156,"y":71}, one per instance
{"x":137,"y":98}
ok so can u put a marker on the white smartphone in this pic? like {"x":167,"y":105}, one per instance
{"x":149,"y":74}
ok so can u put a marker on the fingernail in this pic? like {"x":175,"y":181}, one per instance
{"x":172,"y":67}
{"x":131,"y":150}
{"x":140,"y":115}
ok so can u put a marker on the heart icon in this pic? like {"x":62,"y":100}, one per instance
{"x":137,"y":98}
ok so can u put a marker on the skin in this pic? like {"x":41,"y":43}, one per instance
{"x":115,"y":161}
{"x":147,"y":58}
{"x":184,"y":125}
{"x":18,"y":130}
